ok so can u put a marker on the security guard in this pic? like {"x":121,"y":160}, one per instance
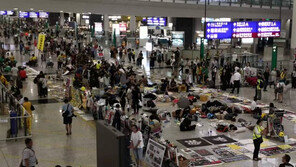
{"x":259,"y":86}
{"x":257,"y":139}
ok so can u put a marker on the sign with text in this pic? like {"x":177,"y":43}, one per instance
{"x":243,"y":29}
{"x":43,"y":14}
{"x":23,"y":14}
{"x":218,"y":30}
{"x":41,"y":40}
{"x":156,"y":21}
{"x":33,"y":14}
{"x":269,"y":29}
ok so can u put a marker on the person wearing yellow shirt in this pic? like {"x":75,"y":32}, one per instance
{"x":257,"y":139}
{"x":28,"y":107}
{"x":3,"y":80}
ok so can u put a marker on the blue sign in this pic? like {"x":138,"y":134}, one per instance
{"x":218,"y":30}
{"x":33,"y":14}
{"x":156,"y":21}
{"x":23,"y":14}
{"x":3,"y":12}
{"x":43,"y":14}
{"x":243,"y":29}
{"x":269,"y":29}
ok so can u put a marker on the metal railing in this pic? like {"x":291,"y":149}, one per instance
{"x":13,"y":117}
{"x":240,"y":3}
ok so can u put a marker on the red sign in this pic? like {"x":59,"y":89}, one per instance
{"x":122,"y":27}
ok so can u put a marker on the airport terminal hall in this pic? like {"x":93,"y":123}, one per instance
{"x":147,"y":83}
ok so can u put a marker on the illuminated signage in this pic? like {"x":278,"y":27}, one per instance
{"x":243,"y":29}
{"x":43,"y":14}
{"x":23,"y":14}
{"x":156,"y":21}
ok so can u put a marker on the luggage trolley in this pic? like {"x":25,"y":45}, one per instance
{"x":275,"y":126}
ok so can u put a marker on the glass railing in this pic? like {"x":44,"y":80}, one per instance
{"x":242,"y":3}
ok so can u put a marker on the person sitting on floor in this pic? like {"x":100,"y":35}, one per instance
{"x":186,"y":124}
{"x":173,"y":86}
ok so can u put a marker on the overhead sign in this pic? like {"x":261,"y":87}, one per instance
{"x":23,"y":14}
{"x":218,"y":30}
{"x":33,"y":14}
{"x":269,"y":29}
{"x":156,"y":21}
{"x":43,"y":14}
{"x":41,"y":40}
{"x":3,"y":12}
{"x":243,"y":29}
{"x":122,"y":27}
{"x":98,"y":27}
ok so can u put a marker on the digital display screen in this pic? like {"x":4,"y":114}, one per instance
{"x":3,"y":12}
{"x":33,"y":14}
{"x":243,"y":29}
{"x":43,"y":14}
{"x":156,"y":21}
{"x":23,"y":14}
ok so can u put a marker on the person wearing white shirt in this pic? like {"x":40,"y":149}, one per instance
{"x":236,"y":81}
{"x":137,"y":144}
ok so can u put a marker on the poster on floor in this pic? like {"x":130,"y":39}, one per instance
{"x":154,"y":153}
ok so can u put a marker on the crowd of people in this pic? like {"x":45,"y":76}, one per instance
{"x":123,"y":87}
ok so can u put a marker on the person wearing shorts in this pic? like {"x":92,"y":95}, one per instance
{"x":137,"y":144}
{"x":67,"y":111}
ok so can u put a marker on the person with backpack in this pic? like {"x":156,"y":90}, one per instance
{"x":259,"y":86}
{"x":28,"y":156}
{"x":67,"y":113}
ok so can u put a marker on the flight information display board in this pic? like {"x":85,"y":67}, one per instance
{"x":243,"y":29}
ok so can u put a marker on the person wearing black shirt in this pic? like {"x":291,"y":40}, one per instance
{"x":286,"y":159}
{"x":266,"y":78}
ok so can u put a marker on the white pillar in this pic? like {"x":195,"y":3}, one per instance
{"x":293,"y":35}
{"x":62,"y":18}
{"x":106,"y":24}
{"x":133,"y":25}
{"x":78,"y":18}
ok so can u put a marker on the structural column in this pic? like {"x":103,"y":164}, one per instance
{"x":62,"y":18}
{"x":293,"y":35}
{"x":106,"y":25}
{"x":78,"y":18}
{"x":133,"y":24}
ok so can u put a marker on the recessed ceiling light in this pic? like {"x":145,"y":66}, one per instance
{"x":15,"y":8}
{"x":31,"y":9}
{"x":61,"y":11}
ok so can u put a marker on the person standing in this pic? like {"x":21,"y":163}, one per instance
{"x":28,"y":156}
{"x":136,"y":97}
{"x":273,"y":75}
{"x":236,"y":81}
{"x":137,"y":144}
{"x":259,"y":86}
{"x":67,"y":112}
{"x":266,"y":75}
{"x":257,"y":139}
{"x":29,"y":108}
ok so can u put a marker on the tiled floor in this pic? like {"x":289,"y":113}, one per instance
{"x":53,"y":147}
